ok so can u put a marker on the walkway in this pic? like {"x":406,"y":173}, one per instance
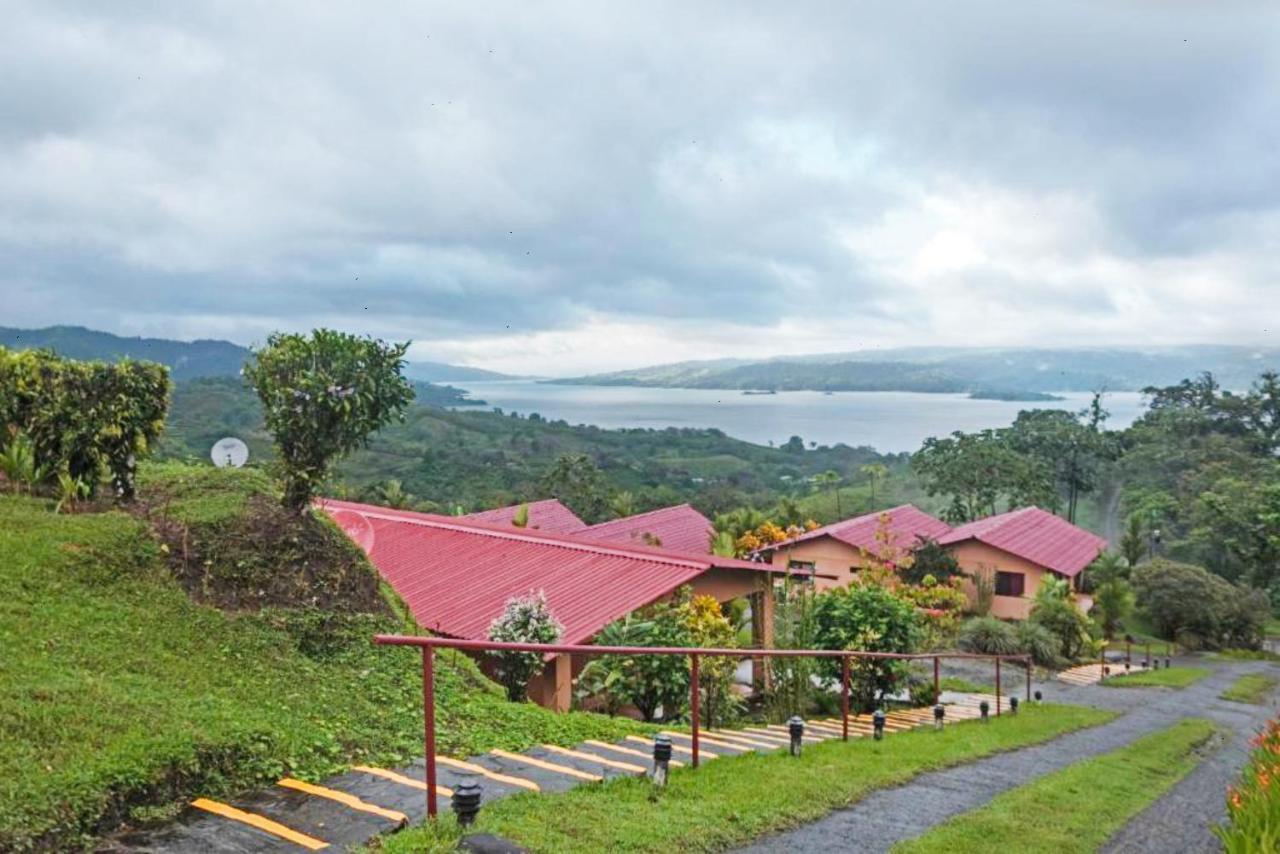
{"x":347,"y":810}
{"x":1179,"y":821}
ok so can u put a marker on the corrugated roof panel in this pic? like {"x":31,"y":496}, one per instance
{"x":546,"y":515}
{"x":907,"y":523}
{"x":457,"y":574}
{"x":680,"y":528}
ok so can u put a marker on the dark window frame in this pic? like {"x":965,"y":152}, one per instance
{"x":1011,"y":583}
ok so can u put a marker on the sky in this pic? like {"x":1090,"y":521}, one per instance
{"x":563,"y":188}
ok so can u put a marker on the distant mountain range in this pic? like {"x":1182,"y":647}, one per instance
{"x":1006,"y":373}
{"x":188,"y":359}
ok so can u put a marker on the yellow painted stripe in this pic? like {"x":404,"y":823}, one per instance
{"x":402,"y":779}
{"x":604,"y":745}
{"x":784,"y":733}
{"x":714,"y":742}
{"x":492,"y":775}
{"x":751,"y":742}
{"x":703,"y":752}
{"x":591,"y":757}
{"x":261,"y":823}
{"x":546,"y":766}
{"x":344,"y":799}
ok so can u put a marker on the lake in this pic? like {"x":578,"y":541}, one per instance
{"x":889,"y":421}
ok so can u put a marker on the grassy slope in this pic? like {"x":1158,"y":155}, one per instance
{"x":1170,"y":677}
{"x":1251,"y":688}
{"x":122,"y":695}
{"x":733,"y":800}
{"x":1078,"y":808}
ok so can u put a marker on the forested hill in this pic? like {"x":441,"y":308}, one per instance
{"x":984,"y":372}
{"x":188,"y":359}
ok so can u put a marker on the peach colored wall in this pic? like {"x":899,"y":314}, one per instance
{"x":728,"y":584}
{"x":829,"y":556}
{"x":974,"y":556}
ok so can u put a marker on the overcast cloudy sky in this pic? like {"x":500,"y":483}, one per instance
{"x":558,"y":187}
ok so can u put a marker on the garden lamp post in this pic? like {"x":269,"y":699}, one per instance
{"x":661,"y":759}
{"x":466,"y":799}
{"x":877,"y":724}
{"x":984,"y":708}
{"x":939,"y":713}
{"x":796,"y":727}
{"x":1013,"y":704}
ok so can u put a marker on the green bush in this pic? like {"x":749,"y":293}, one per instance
{"x":1197,"y":608}
{"x":1035,"y":640}
{"x":1064,"y":622}
{"x":84,"y":419}
{"x":989,"y":636}
{"x":525,"y":619}
{"x":867,"y":617}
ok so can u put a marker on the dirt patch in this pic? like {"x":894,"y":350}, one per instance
{"x":265,"y":556}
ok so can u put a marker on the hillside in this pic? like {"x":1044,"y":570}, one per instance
{"x":124,"y":696}
{"x":189,"y":359}
{"x":988,"y":372}
{"x":483,"y":459}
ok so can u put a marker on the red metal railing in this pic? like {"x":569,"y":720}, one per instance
{"x":428,"y":646}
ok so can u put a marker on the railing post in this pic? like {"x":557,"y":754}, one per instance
{"x":997,"y":686}
{"x":694,"y":703}
{"x":1102,"y":662}
{"x":937,"y":683}
{"x":429,"y":724}
{"x":1028,"y":680}
{"x":844,"y":696}
{"x":1148,"y":662}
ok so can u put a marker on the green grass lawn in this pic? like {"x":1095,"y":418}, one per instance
{"x":1244,"y":655}
{"x":1168,"y":677}
{"x":123,"y":697}
{"x":1078,"y":808}
{"x":963,"y":686}
{"x":736,"y":799}
{"x":1251,"y":688}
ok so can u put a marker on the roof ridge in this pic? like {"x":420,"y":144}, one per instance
{"x":645,"y":513}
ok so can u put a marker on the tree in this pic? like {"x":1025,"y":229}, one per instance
{"x":623,"y":504}
{"x":1112,"y":603}
{"x":576,"y":480}
{"x":874,"y":473}
{"x":651,"y":683}
{"x":322,"y":396}
{"x":1133,"y":541}
{"x":1242,"y":517}
{"x":524,"y":619}
{"x":978,"y":471}
{"x":931,"y":559}
{"x":829,"y":479}
{"x":1071,"y":447}
{"x":1195,"y":607}
{"x":708,"y":627}
{"x":866,"y":617}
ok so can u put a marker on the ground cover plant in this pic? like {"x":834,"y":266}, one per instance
{"x":723,"y":803}
{"x":124,"y":697}
{"x":1253,"y":805}
{"x":1169,"y":677}
{"x":1079,"y":807}
{"x":1251,"y":688}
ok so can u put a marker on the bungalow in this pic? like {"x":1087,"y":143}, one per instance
{"x":835,"y":552}
{"x":1021,"y":548}
{"x":456,"y":575}
{"x":547,"y":515}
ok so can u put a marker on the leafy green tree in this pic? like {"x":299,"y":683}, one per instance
{"x":525,"y":619}
{"x":651,"y":683}
{"x":623,"y":504}
{"x":1242,"y":516}
{"x":979,"y":471}
{"x":576,"y":480}
{"x":871,"y":618}
{"x":322,"y":396}
{"x":1197,"y":608}
{"x":1072,"y":447}
{"x":1133,"y":540}
{"x":875,"y":473}
{"x":931,"y":559}
{"x":829,"y":479}
{"x":1112,"y":603}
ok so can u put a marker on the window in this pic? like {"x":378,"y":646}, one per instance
{"x":800,"y":565}
{"x":1010,"y":583}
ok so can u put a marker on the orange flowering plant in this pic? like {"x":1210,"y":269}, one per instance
{"x":1253,"y":805}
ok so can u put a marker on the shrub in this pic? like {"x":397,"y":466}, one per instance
{"x":1061,"y":618}
{"x":1194,"y":606}
{"x":790,"y":688}
{"x":1113,"y":603}
{"x":871,"y":618}
{"x":932,"y":559}
{"x":989,"y":636}
{"x":322,"y":395}
{"x":648,"y":682}
{"x":1035,"y":640}
{"x":708,"y":627}
{"x":84,"y":418}
{"x":525,"y":619}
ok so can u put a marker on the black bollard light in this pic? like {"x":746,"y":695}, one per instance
{"x":985,"y":709}
{"x":1155,"y":664}
{"x":661,"y":759}
{"x":1126,"y":667}
{"x":1166,"y":662}
{"x":877,"y":724}
{"x":938,"y":714}
{"x":1106,"y":670}
{"x":1039,"y":696}
{"x":1013,"y":705}
{"x":466,"y":800}
{"x":796,"y":727}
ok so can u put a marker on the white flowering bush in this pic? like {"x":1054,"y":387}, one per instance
{"x":524,"y":619}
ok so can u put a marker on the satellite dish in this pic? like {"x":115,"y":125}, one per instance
{"x":229,"y":452}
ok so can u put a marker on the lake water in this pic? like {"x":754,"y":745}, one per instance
{"x":889,"y":421}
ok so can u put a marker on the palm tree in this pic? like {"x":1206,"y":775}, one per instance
{"x":874,"y":473}
{"x":829,"y":478}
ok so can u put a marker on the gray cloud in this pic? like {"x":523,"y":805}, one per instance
{"x":525,"y":187}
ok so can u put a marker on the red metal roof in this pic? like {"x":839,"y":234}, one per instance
{"x":546,"y":515}
{"x":680,"y":528}
{"x":456,"y":574}
{"x":907,"y":524}
{"x":1035,"y":535}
